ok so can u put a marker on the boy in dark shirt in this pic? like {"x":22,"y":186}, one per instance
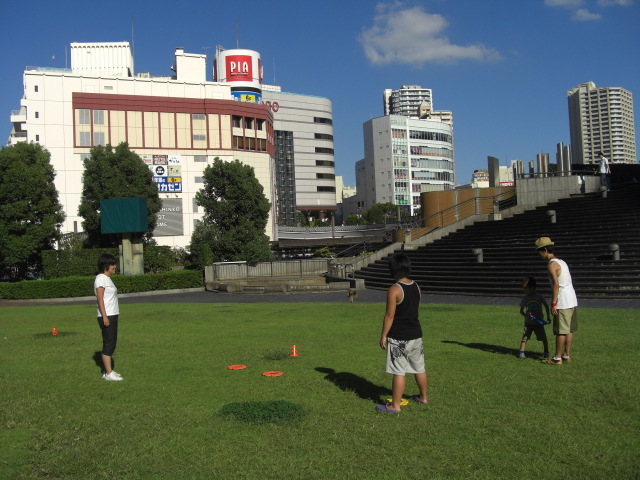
{"x":534,"y":319}
{"x":402,"y":335}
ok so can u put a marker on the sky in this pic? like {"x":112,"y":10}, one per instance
{"x":503,"y":67}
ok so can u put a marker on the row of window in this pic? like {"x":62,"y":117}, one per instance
{"x":247,"y":123}
{"x":435,"y":136}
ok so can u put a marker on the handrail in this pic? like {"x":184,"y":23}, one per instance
{"x":449,"y":215}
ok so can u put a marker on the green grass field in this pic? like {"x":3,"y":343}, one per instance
{"x":181,"y":414}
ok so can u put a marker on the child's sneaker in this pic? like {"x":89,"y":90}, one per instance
{"x":522,"y":356}
{"x":112,"y":377}
{"x":552,"y":361}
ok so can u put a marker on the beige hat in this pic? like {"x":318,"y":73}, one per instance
{"x":543,"y":242}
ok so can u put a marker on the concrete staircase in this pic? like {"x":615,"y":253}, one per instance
{"x":585,"y":227}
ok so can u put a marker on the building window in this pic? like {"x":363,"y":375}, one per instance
{"x":248,"y":123}
{"x":85,"y":139}
{"x":327,"y":176}
{"x":238,"y":142}
{"x":37,"y":138}
{"x":37,"y":114}
{"x":98,"y":117}
{"x":324,"y":163}
{"x":259,"y":125}
{"x":199,"y":179}
{"x":199,"y":158}
{"x":84,"y":116}
{"x":237,"y":122}
{"x":323,"y":136}
{"x":262,"y":145}
{"x":195,"y":205}
{"x":328,"y":121}
{"x":198,"y":116}
{"x":326,"y":189}
{"x":98,"y":138}
{"x":324,"y":150}
{"x":35,"y":88}
{"x":197,"y":137}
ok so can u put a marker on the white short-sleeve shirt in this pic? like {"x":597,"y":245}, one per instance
{"x":110,"y":294}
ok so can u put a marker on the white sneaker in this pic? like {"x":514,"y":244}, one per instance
{"x":116,"y":373}
{"x":112,"y":377}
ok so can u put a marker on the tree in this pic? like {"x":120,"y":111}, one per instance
{"x":30,"y":214}
{"x":235,"y":216}
{"x":379,"y":212}
{"x":118,"y":173}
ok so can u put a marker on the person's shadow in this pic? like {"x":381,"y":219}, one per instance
{"x":350,"y":382}
{"x":97,"y":358}
{"x":486,"y":347}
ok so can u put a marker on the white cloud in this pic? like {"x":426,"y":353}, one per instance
{"x":563,"y":3}
{"x":584,"y":15}
{"x":414,"y":36}
{"x":612,"y":3}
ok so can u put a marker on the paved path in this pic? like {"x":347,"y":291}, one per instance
{"x":200,"y":296}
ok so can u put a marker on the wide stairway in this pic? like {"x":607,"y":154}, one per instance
{"x":585,"y":227}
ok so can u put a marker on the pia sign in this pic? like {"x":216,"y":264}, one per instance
{"x":240,"y":67}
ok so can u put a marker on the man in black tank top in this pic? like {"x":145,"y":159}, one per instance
{"x":402,"y":335}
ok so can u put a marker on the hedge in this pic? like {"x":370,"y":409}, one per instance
{"x":68,"y":262}
{"x":83,"y":286}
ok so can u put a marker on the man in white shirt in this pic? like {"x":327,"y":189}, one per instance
{"x":604,"y":170}
{"x":563,"y":302}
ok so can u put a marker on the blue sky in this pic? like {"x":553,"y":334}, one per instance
{"x":503,"y":67}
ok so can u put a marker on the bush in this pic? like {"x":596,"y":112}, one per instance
{"x":83,"y":286}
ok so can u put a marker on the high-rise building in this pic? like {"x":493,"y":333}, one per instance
{"x":409,"y":150}
{"x":601,"y":119}
{"x":403,"y":157}
{"x":177,"y":124}
{"x":304,"y":154}
{"x":409,"y":101}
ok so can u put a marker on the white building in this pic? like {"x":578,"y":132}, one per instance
{"x":403,"y":157}
{"x":409,"y":100}
{"x":304,"y":155}
{"x":601,"y":119}
{"x":177,"y":124}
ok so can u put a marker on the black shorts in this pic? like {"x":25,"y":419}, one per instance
{"x":109,"y":335}
{"x":537,"y":329}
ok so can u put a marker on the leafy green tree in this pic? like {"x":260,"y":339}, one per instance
{"x":115,"y":173}
{"x":30,"y":214}
{"x":379,"y":211}
{"x":235,"y":216}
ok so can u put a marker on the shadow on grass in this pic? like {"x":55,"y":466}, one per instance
{"x":350,"y":382}
{"x":97,"y":358}
{"x":486,"y":347}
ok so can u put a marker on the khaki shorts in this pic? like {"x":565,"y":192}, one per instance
{"x":405,"y":356}
{"x":566,"y":321}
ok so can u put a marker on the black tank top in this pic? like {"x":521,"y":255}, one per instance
{"x":406,"y":325}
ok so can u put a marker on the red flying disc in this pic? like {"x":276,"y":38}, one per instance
{"x":272,"y":374}
{"x":236,"y":367}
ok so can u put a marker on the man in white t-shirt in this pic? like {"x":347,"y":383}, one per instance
{"x":604,"y":170}
{"x":563,"y":302}
{"x":108,"y":311}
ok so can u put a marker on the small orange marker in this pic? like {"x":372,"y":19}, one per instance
{"x":54,"y":331}
{"x":294,"y":352}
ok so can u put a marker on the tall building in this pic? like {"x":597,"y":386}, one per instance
{"x":403,"y":157}
{"x":176,"y":123}
{"x":601,"y":119}
{"x":409,"y":101}
{"x":304,"y":154}
{"x":409,"y":150}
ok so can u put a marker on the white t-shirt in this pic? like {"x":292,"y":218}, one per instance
{"x":110,"y":294}
{"x":604,"y":165}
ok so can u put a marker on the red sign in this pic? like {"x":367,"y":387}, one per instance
{"x":239,"y":68}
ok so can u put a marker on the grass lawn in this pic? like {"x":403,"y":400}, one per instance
{"x":180,"y":413}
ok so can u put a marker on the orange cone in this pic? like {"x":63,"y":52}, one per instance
{"x":54,"y":331}
{"x":294,"y":352}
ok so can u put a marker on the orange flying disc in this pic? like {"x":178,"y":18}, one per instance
{"x":272,"y":374}
{"x":236,"y":367}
